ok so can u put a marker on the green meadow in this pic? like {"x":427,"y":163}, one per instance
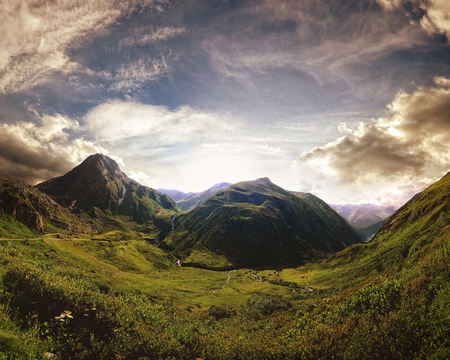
{"x":90,"y":297}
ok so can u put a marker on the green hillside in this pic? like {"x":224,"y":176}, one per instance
{"x":257,"y":223}
{"x":94,"y":296}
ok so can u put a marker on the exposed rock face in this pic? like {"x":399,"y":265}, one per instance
{"x":36,"y":210}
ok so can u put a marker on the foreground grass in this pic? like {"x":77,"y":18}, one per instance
{"x":81,"y":299}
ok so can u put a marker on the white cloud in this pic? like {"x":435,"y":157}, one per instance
{"x":36,"y":35}
{"x":115,"y":121}
{"x":409,"y":146}
{"x":316,"y":40}
{"x":132,"y":76}
{"x":146,"y":35}
{"x":138,"y":176}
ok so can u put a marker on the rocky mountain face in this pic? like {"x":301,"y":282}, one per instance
{"x":99,"y":184}
{"x":36,"y":210}
{"x":257,"y":223}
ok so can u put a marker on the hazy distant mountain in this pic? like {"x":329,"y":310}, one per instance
{"x":99,"y":184}
{"x":24,"y":208}
{"x":175,"y":195}
{"x":364,"y":215}
{"x":370,"y":231}
{"x":257,"y":223}
{"x":189,"y":201}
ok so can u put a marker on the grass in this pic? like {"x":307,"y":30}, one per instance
{"x":384,"y":299}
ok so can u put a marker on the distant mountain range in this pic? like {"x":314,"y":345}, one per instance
{"x":189,"y":201}
{"x":364,"y":215}
{"x":257,"y":223}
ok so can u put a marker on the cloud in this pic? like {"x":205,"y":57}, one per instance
{"x":411,"y":144}
{"x":142,"y":36}
{"x":433,"y":15}
{"x":132,"y":76}
{"x":329,"y":41}
{"x":115,"y":121}
{"x":31,"y":152}
{"x":36,"y":35}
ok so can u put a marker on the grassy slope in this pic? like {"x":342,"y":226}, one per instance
{"x":258,"y":223}
{"x":384,"y":299}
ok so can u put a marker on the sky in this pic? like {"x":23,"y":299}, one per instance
{"x":346,"y":99}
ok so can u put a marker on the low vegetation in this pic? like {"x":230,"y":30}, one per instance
{"x":97,"y":298}
{"x":116,"y":295}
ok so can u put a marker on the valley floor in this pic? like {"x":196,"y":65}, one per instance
{"x":84,"y":298}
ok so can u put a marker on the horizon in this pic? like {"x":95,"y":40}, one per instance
{"x":349,"y":101}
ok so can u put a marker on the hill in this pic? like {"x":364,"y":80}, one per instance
{"x":384,"y":299}
{"x":257,"y":223}
{"x":99,"y":188}
{"x":25,"y":212}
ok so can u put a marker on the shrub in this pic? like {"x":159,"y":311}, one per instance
{"x":376,"y":299}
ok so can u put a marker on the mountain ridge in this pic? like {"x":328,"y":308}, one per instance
{"x":254,"y":223}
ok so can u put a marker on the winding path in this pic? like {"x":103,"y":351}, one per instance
{"x":226,"y":281}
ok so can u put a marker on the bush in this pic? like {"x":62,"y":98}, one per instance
{"x":374,"y":300}
{"x":267,"y":305}
{"x":218,"y":312}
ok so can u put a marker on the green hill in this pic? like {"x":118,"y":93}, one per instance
{"x":257,"y":223}
{"x":97,"y":297}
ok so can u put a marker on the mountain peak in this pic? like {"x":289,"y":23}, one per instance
{"x":102,"y":162}
{"x":264,"y":180}
{"x":99,"y":183}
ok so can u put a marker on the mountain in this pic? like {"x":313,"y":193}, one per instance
{"x":99,"y":184}
{"x":363,"y":215}
{"x":257,"y":223}
{"x":371,"y":230}
{"x":189,"y":201}
{"x":25,"y":211}
{"x":176,"y":195}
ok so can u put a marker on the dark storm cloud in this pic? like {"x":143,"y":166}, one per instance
{"x":31,"y":153}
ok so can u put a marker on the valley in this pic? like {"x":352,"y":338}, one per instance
{"x":131,"y":276}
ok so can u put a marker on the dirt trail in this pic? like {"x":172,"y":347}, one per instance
{"x":226,"y":281}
